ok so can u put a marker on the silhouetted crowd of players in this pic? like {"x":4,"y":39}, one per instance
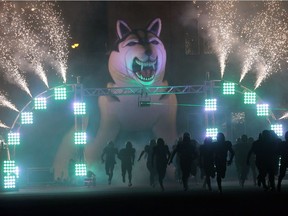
{"x":266,"y":157}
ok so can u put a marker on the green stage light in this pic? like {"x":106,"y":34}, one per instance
{"x":40,"y":103}
{"x":80,"y":170}
{"x":249,"y":98}
{"x":13,"y":138}
{"x":278,"y":129}
{"x":228,"y":88}
{"x":9,"y":167}
{"x":60,"y":93}
{"x":26,"y":118}
{"x":212,"y":132}
{"x":9,"y":182}
{"x":79,"y":108}
{"x":210,"y":104}
{"x":10,"y":174}
{"x":262,"y":109}
{"x":80,"y":138}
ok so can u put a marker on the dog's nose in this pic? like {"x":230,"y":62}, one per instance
{"x":148,"y":51}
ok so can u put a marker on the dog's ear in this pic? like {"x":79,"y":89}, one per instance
{"x":122,"y":29}
{"x":155,"y":27}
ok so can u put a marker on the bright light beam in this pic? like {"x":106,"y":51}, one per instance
{"x":285,"y":116}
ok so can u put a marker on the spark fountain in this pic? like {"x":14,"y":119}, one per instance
{"x":47,"y":20}
{"x":262,"y":38}
{"x":267,"y":39}
{"x":2,"y":125}
{"x":27,"y":53}
{"x":34,"y":35}
{"x":221,"y":29}
{"x":274,"y":41}
{"x":259,"y":39}
{"x":4,"y":102}
{"x":8,"y":63}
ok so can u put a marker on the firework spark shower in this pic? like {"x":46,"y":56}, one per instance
{"x":272,"y":31}
{"x":8,"y":41}
{"x":221,"y":27}
{"x":4,"y":102}
{"x":262,"y":38}
{"x":32,"y":36}
{"x":47,"y":21}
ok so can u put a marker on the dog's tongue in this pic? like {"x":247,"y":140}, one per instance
{"x":146,"y":73}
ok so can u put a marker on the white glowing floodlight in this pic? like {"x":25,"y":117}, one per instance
{"x":13,"y":138}
{"x":79,"y":108}
{"x":26,"y":118}
{"x":9,"y":167}
{"x":80,"y":170}
{"x":262,"y":109}
{"x":212,"y":132}
{"x":9,"y":182}
{"x":80,"y":138}
{"x":249,"y":98}
{"x":210,"y":104}
{"x":10,"y":174}
{"x":60,"y":93}
{"x":40,"y":103}
{"x":228,"y":88}
{"x":278,"y":129}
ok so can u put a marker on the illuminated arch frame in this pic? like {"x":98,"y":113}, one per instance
{"x":271,"y":119}
{"x":78,"y":89}
{"x":80,"y":92}
{"x":70,"y":88}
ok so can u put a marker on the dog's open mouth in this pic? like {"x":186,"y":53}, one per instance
{"x":145,"y":71}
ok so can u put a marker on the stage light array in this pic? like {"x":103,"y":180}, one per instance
{"x":9,"y":167}
{"x":80,"y":170}
{"x":9,"y":182}
{"x":278,"y":129}
{"x":13,"y":138}
{"x":80,"y":138}
{"x":79,"y":108}
{"x":212,"y":132}
{"x":249,"y":98}
{"x":228,"y":88}
{"x":210,"y":104}
{"x":40,"y":103}
{"x":10,"y":175}
{"x":262,"y":109}
{"x":26,"y":118}
{"x":60,"y":93}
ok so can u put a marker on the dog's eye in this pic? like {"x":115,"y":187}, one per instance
{"x":154,"y":42}
{"x":131,"y":43}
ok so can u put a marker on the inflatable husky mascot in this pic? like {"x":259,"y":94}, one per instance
{"x":138,"y":60}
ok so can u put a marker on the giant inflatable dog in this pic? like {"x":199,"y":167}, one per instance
{"x":138,"y":60}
